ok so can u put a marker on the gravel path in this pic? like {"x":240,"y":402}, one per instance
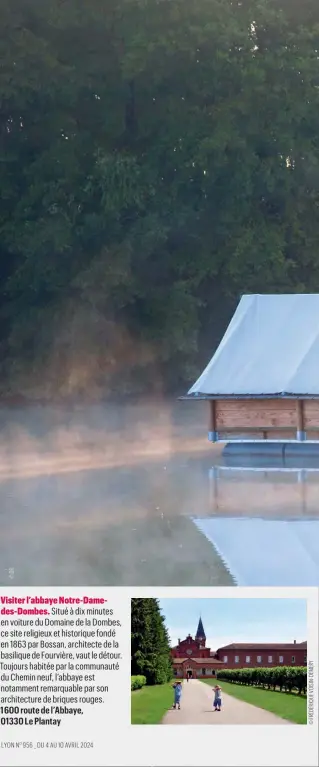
{"x":197,"y":708}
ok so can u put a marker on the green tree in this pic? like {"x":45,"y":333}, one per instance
{"x":150,"y":650}
{"x":158,"y":158}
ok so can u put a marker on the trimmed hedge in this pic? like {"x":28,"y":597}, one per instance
{"x":137,"y":682}
{"x":287,"y":678}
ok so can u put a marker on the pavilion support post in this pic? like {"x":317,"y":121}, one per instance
{"x":300,"y":434}
{"x":212,"y":432}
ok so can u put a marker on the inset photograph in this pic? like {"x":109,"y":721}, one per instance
{"x":219,"y":661}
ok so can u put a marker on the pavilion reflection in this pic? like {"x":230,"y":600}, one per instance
{"x":263,"y":520}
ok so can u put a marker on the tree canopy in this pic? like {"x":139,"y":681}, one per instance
{"x":158,"y":159}
{"x":150,"y":650}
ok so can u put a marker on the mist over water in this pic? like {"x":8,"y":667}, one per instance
{"x":103,"y":495}
{"x":135,"y":495}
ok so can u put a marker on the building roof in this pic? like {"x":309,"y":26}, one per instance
{"x":264,"y":646}
{"x":202,"y":661}
{"x":270,"y":348}
{"x":200,"y":633}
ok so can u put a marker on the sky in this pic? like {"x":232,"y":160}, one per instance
{"x":236,"y":620}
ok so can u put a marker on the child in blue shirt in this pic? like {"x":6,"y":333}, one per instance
{"x":217,"y":698}
{"x":177,"y":687}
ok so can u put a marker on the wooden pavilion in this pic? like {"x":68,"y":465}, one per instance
{"x":263,"y":381}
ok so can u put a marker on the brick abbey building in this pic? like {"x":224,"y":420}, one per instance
{"x":191,"y":657}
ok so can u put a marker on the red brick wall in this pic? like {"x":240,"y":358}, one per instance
{"x":287,"y":655}
{"x":190,"y":644}
{"x":181,"y":670}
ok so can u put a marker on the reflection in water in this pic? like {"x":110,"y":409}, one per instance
{"x":128,"y":496}
{"x":104,"y":496}
{"x":264,"y":522}
{"x":261,"y":552}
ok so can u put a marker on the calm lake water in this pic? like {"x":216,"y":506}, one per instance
{"x":136,"y":496}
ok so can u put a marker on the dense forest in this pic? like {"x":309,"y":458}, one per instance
{"x":150,"y":650}
{"x":158,"y":159}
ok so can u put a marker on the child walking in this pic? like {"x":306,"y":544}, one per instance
{"x":177,"y":687}
{"x":217,"y":698}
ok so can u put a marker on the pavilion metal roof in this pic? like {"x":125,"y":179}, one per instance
{"x":270,"y":349}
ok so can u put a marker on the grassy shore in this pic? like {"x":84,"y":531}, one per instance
{"x":287,"y":705}
{"x":149,"y":704}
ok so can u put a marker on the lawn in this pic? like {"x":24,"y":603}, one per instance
{"x":287,"y":705}
{"x":149,"y":704}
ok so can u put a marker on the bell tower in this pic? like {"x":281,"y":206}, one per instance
{"x":200,"y":634}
